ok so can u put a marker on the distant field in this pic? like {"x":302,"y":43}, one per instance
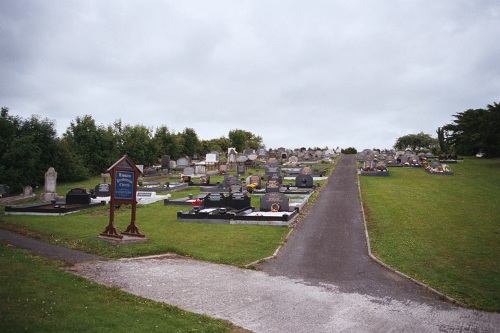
{"x":441,"y":230}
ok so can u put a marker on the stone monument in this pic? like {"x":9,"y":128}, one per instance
{"x":49,"y":192}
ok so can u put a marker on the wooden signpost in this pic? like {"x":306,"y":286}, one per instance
{"x":124,"y":175}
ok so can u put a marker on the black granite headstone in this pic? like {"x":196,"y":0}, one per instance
{"x":238,"y":201}
{"x":102,"y":190}
{"x":304,"y":181}
{"x":274,"y":202}
{"x":77,"y":196}
{"x":212,"y":200}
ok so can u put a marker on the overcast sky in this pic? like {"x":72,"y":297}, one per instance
{"x":297,"y":73}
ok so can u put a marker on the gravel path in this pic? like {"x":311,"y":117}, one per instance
{"x":322,"y":281}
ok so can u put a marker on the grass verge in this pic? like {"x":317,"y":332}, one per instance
{"x":50,"y":300}
{"x":441,"y":230}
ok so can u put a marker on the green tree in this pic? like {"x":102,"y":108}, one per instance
{"x":29,"y":147}
{"x":166,"y":143}
{"x":96,"y":144}
{"x":415,"y":142}
{"x":137,"y":142}
{"x":350,"y":150}
{"x":190,"y":144}
{"x":241,"y":139}
{"x":476,"y":130}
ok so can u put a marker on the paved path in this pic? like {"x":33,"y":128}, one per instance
{"x":322,"y":281}
{"x":44,"y":249}
{"x":330,"y":245}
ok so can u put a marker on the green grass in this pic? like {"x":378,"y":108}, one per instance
{"x":38,"y":297}
{"x":230,"y":244}
{"x":442,"y":230}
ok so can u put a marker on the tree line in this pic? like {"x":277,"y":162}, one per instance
{"x":472,"y":131}
{"x":28,"y":147}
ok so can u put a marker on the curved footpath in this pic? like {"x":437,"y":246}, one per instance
{"x":321,"y":281}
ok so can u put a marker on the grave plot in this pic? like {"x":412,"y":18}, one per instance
{"x":76,"y":199}
{"x":436,"y":168}
{"x":157,"y":186}
{"x":236,"y":209}
{"x":373,"y":169}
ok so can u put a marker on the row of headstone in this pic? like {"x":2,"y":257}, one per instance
{"x":236,"y":201}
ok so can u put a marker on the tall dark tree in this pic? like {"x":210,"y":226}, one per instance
{"x":29,"y":147}
{"x":466,"y":134}
{"x":189,"y":142}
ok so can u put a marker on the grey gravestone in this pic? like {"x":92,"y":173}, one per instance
{"x":273,"y":186}
{"x":200,"y":170}
{"x":273,"y":163}
{"x":241,"y":159}
{"x":276,"y":177}
{"x":274,"y":201}
{"x":248,"y":151}
{"x":102,"y":190}
{"x":27,"y":191}
{"x":241,"y":169}
{"x":105,"y":177}
{"x":254,"y":179}
{"x":235,"y":188}
{"x":307,"y":170}
{"x":49,"y":192}
{"x":293,"y":159}
{"x":211,"y":158}
{"x":182,"y":163}
{"x":188,"y":171}
{"x":304,"y":181}
{"x":4,"y":190}
{"x":165,"y":162}
{"x":231,"y":180}
{"x":252,"y":157}
{"x":173,"y":164}
{"x":77,"y":196}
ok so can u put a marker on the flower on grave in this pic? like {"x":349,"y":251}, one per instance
{"x":196,"y":202}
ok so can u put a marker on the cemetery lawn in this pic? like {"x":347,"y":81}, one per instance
{"x":441,"y":230}
{"x":237,"y":245}
{"x":38,"y":297}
